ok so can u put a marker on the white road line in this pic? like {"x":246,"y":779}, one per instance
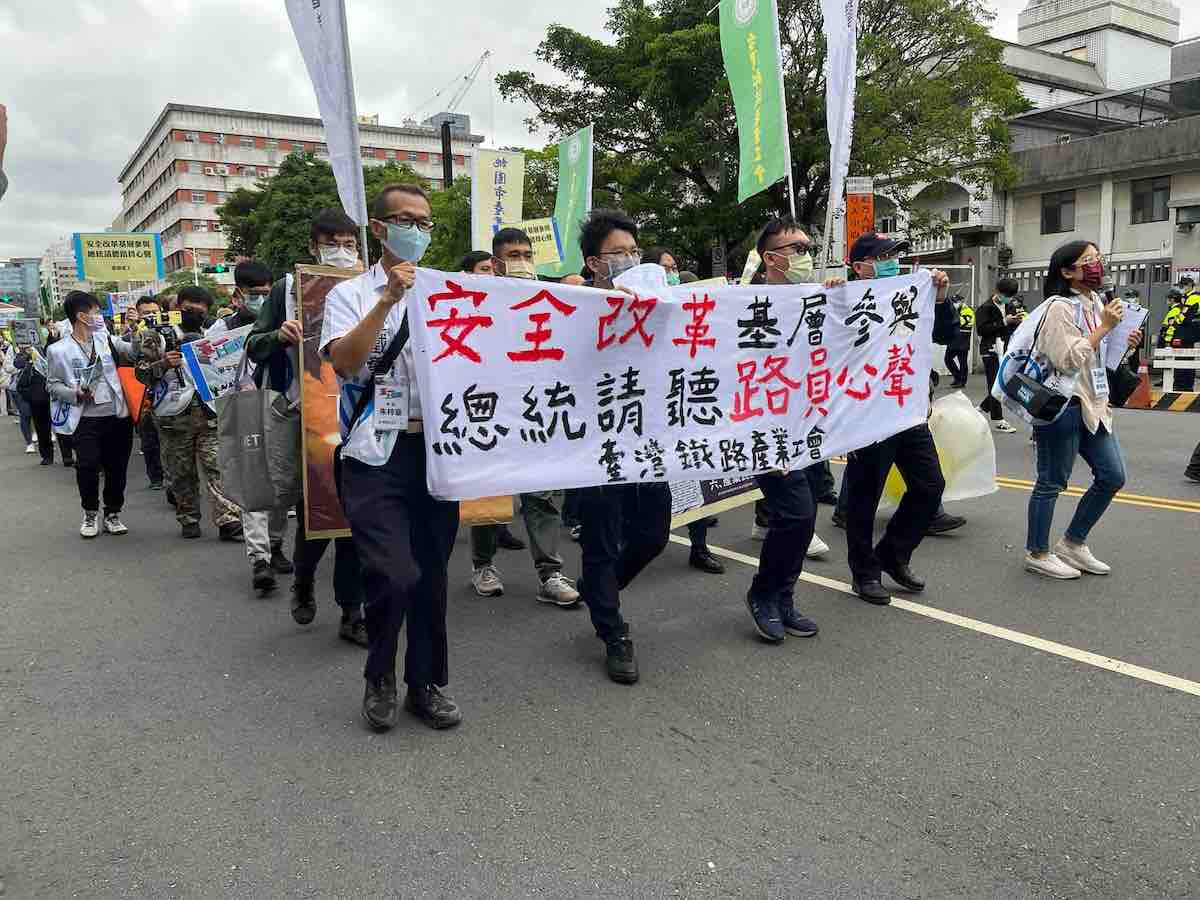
{"x":1006,"y":634}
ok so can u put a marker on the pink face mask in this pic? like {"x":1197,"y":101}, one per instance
{"x":1093,"y":274}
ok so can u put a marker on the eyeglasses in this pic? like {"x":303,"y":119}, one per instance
{"x":636,"y":251}
{"x":404,"y":221}
{"x":794,"y":247}
{"x":348,"y":244}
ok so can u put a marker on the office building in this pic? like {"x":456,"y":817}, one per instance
{"x":194,"y":157}
{"x":58,"y":272}
{"x":19,"y":284}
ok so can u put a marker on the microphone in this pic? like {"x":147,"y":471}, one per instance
{"x":1109,"y":290}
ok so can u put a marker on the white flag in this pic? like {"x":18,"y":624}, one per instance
{"x":841,"y":63}
{"x":320,"y":28}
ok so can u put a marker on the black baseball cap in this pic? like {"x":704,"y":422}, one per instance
{"x":1186,"y":279}
{"x":876,"y":245}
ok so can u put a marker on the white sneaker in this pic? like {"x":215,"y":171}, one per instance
{"x":1050,"y":566}
{"x":758,"y":532}
{"x":91,"y":525}
{"x":1004,"y":428}
{"x":817,"y":548}
{"x":32,"y":448}
{"x":486,"y":582}
{"x":1081,"y":558}
{"x":114,"y":525}
{"x":557,"y":589}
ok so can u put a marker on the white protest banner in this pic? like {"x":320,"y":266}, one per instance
{"x":320,"y":28}
{"x":529,"y":386}
{"x":213,"y":362}
{"x":497,"y":193}
{"x":841,"y":64}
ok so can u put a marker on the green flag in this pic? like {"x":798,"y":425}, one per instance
{"x":750,"y":47}
{"x":574,"y":199}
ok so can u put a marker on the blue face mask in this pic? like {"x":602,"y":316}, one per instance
{"x":406,"y":242}
{"x":887,"y":268}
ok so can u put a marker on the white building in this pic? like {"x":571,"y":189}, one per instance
{"x":193,"y":157}
{"x":58,"y":271}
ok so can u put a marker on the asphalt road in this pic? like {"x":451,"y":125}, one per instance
{"x":163,"y":733}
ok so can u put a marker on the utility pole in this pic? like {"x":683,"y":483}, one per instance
{"x":447,"y":156}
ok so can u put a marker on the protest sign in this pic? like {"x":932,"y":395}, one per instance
{"x":497,"y":193}
{"x":112,"y":256}
{"x":546,"y":241}
{"x":574,"y":199}
{"x":25,"y":332}
{"x":689,"y":385}
{"x":213,"y":363}
{"x":323,"y":516}
{"x":692,"y":500}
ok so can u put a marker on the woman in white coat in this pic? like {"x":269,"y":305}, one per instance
{"x":87,"y":402}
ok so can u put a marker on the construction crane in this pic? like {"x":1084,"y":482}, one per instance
{"x":457,"y":97}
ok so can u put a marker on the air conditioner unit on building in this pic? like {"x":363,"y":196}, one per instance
{"x":1063,"y":139}
{"x":222,"y":170}
{"x":209,"y":170}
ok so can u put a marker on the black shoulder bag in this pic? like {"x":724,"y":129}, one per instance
{"x":383,"y":364}
{"x":1042,"y":404}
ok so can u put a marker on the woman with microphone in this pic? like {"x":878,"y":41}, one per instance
{"x":1075,"y":324}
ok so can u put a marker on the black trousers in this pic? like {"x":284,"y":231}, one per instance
{"x":790,"y":506}
{"x":148,"y":433}
{"x":1193,"y":466}
{"x":404,"y":539}
{"x":347,"y":571}
{"x":956,"y":362}
{"x":40,"y":407}
{"x":624,"y":528}
{"x":102,"y":444}
{"x":66,"y":446}
{"x":990,"y":405}
{"x":914,"y":454}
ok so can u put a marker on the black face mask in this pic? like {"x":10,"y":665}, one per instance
{"x":192,"y":320}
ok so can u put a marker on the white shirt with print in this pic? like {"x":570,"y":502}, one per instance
{"x":346,"y":306}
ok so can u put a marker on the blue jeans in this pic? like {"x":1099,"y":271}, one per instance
{"x":1057,"y":446}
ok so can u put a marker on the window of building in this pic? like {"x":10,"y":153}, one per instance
{"x":199,"y":225}
{"x":955,"y":216}
{"x":271,"y":144}
{"x":435,"y":157}
{"x":390,"y":154}
{"x":887,"y":225}
{"x":218,"y":138}
{"x":367,"y":152}
{"x":199,"y":197}
{"x":1149,"y":198}
{"x":214,"y":226}
{"x":1058,"y":212}
{"x":412,"y":156}
{"x":191,"y":136}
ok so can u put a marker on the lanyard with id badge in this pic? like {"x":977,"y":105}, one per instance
{"x":1099,"y":374}
{"x":391,"y":404}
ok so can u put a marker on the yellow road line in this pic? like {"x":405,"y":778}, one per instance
{"x":1129,"y":499}
{"x":1097,"y":660}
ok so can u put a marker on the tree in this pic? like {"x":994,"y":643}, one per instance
{"x":271,"y":222}
{"x":933,"y":97}
{"x":181,"y":277}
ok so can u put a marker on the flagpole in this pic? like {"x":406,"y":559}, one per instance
{"x":362,"y":228}
{"x":787,"y":134}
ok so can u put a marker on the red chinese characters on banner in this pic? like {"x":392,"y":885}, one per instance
{"x":695,"y":333}
{"x":898,"y":367}
{"x":639,"y":309}
{"x":540,"y":333}
{"x":865,"y":392}
{"x":749,"y":379}
{"x":455,"y":327}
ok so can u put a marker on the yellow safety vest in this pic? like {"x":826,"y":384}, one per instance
{"x":1173,"y":317}
{"x":966,"y":318}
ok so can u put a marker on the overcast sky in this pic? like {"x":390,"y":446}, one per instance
{"x":84,"y":79}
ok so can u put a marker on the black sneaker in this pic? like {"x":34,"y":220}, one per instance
{"x":69,"y":462}
{"x":263,"y":579}
{"x":304,"y":604}
{"x":506,"y":540}
{"x":190,"y":531}
{"x":796,"y":623}
{"x":431,"y":706}
{"x":1190,"y":475}
{"x":766,"y":619}
{"x":232,"y":532}
{"x":171,"y":501}
{"x":354,"y":631}
{"x":281,"y":563}
{"x":379,"y":707}
{"x":622,"y":665}
{"x":945,"y":523}
{"x":838,"y":519}
{"x":702,"y":559}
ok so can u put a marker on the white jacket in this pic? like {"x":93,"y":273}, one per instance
{"x":66,"y":361}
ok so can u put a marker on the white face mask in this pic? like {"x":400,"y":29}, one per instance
{"x":619,"y":265}
{"x":341,"y":257}
{"x":96,"y":324}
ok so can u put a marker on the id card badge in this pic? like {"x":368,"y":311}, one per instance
{"x":391,"y":404}
{"x":1100,"y":382}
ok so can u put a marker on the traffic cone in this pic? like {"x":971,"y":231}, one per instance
{"x":1141,"y":396}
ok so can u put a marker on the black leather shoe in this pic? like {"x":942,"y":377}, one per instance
{"x":380,"y":708}
{"x":703,"y":560}
{"x":621,"y":663}
{"x":69,"y":462}
{"x":838,"y":519}
{"x":354,"y":631}
{"x":281,"y":563}
{"x":304,"y":604}
{"x":872,"y":591}
{"x":906,"y":578}
{"x":830,"y":498}
{"x":231,"y":532}
{"x":506,"y":540}
{"x":945,"y":523}
{"x":431,"y":706}
{"x":263,"y":578}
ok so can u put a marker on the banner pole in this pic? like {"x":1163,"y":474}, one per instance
{"x":828,"y":234}
{"x":787,"y":134}
{"x":362,"y":229}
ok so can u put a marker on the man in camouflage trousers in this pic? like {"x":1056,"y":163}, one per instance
{"x":187,"y":427}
